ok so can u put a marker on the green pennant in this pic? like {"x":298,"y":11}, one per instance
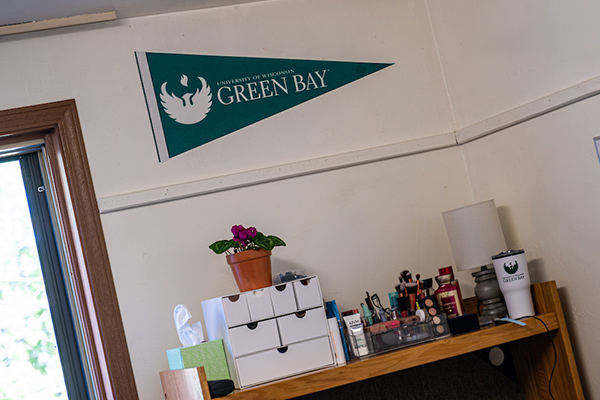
{"x":194,"y":99}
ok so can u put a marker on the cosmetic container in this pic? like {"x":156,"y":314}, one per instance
{"x":448,"y":296}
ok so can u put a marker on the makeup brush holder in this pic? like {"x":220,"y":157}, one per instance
{"x":513,"y":279}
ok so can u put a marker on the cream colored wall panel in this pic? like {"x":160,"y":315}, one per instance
{"x":545,"y":178}
{"x":355,"y":228}
{"x":498,"y":55}
{"x":96,"y":66}
{"x":375,"y":219}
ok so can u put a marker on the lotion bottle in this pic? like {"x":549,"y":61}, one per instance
{"x":448,"y":296}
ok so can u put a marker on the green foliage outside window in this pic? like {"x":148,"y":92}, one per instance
{"x":30,"y":367}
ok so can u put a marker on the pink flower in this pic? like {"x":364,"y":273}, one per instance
{"x":236,"y":229}
{"x":245,"y":239}
{"x":251,"y":232}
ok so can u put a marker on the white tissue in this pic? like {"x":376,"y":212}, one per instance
{"x":188,"y":335}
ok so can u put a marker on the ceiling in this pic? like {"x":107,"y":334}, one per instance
{"x":22,"y":11}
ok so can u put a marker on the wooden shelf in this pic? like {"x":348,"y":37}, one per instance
{"x":398,"y":360}
{"x":534,"y":358}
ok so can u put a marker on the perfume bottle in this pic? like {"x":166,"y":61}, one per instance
{"x":454,"y":281}
{"x":448,"y":296}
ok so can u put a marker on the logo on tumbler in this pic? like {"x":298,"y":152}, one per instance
{"x":511,"y":268}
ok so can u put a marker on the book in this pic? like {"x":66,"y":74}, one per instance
{"x":332,"y":312}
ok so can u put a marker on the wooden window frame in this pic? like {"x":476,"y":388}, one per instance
{"x":81,"y":231}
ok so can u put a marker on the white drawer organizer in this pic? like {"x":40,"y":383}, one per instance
{"x":271,"y":333}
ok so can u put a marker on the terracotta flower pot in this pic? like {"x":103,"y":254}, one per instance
{"x":251,"y":269}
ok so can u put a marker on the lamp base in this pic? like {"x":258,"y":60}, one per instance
{"x":488,"y":294}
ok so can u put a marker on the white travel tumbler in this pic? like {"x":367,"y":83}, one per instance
{"x":513,"y":279}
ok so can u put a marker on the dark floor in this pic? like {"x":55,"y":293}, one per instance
{"x":467,"y":377}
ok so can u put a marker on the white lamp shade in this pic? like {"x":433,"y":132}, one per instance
{"x":475,"y":234}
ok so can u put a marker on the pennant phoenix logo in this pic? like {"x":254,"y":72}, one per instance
{"x":192,"y":107}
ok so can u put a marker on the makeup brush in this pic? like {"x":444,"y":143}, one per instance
{"x":406,"y":275}
{"x":400,"y":286}
{"x":402,"y":306}
{"x":419,"y":292}
{"x":411,"y":289}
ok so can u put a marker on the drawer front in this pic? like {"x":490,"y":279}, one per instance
{"x":302,"y":325}
{"x":236,"y":310}
{"x":253,"y":337}
{"x":259,"y":304}
{"x":279,"y":363}
{"x":284,"y":300}
{"x":308,"y":293}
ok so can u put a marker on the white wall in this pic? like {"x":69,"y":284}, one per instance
{"x":545,"y":178}
{"x":543,"y":174}
{"x":499,"y":55}
{"x":96,"y":66}
{"x":332,"y":223}
{"x":357,"y":228}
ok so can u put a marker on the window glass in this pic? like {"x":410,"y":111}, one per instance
{"x":30,"y":367}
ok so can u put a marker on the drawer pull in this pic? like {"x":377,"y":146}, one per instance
{"x":282,"y":350}
{"x":234,"y":298}
{"x":252,"y":325}
{"x":305,"y":282}
{"x":300,"y":314}
{"x":280,"y":288}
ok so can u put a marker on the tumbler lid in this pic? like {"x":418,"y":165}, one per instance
{"x":507,"y":254}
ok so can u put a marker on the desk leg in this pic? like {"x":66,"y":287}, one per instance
{"x":534,"y":356}
{"x":185,"y":384}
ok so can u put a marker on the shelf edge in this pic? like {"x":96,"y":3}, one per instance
{"x":397,"y":360}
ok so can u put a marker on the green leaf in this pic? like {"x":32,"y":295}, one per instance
{"x":259,"y":238}
{"x":221,"y":246}
{"x":268,"y":242}
{"x":276,"y":241}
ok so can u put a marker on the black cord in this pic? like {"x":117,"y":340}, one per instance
{"x":555,"y":356}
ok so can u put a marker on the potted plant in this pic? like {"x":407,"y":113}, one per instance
{"x":248,"y":254}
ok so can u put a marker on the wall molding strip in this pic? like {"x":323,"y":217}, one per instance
{"x":529,"y":111}
{"x":275,"y":173}
{"x":461,"y":136}
{"x":45,"y":24}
